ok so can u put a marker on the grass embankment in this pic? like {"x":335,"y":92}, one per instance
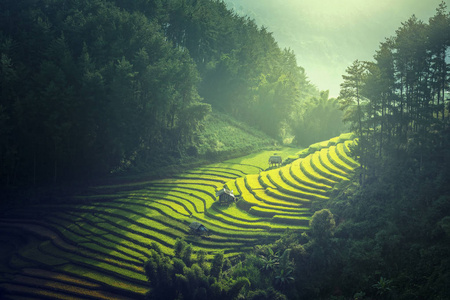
{"x":220,"y":138}
{"x":96,"y":249}
{"x":223,"y":136}
{"x":285,"y":194}
{"x":104,"y":241}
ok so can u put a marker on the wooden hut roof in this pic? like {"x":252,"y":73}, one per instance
{"x":195,"y":225}
{"x":224,"y":191}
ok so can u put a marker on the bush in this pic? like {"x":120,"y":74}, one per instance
{"x":322,"y":225}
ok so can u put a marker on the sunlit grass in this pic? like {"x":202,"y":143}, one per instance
{"x":265,"y":181}
{"x":252,"y":182}
{"x":293,"y":221}
{"x":308,"y":170}
{"x":107,"y":238}
{"x":269,"y":213}
{"x":317,"y":165}
{"x":276,"y":198}
{"x":275,"y":177}
{"x":325,"y":161}
{"x":234,"y":212}
{"x":287,"y":177}
{"x":300,"y":176}
{"x":337,"y":161}
{"x":305,"y":198}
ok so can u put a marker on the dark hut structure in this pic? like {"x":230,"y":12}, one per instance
{"x":275,"y":160}
{"x":225,"y":196}
{"x":198,"y":228}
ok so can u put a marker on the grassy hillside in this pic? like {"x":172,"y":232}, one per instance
{"x":95,"y":246}
{"x":223,"y":135}
{"x":220,"y":137}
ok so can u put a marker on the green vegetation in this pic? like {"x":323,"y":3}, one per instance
{"x":271,"y":195}
{"x":164,"y":93}
{"x":392,"y":217}
{"x":317,"y":119}
{"x":110,"y":86}
{"x":105,"y":240}
{"x":222,"y":135}
{"x":180,"y":277}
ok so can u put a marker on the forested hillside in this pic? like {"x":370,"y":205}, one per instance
{"x":88,"y":87}
{"x":140,"y":238}
{"x":393,"y":237}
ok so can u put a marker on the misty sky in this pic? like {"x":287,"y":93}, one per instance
{"x":328,"y":35}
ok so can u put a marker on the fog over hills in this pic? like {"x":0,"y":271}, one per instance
{"x":327,"y":36}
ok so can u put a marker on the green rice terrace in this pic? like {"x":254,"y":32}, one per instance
{"x":97,"y":248}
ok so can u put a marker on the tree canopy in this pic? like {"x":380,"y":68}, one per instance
{"x":93,"y":87}
{"x":398,"y":103}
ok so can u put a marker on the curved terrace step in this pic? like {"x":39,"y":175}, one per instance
{"x":86,"y":249}
{"x":285,"y":173}
{"x":297,"y":173}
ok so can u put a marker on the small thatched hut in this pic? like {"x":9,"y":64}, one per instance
{"x":275,"y":160}
{"x":225,"y":196}
{"x":198,"y":228}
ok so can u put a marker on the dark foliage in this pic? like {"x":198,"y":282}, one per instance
{"x":174,"y":279}
{"x":316,"y":120}
{"x":93,"y":87}
{"x":392,"y":236}
{"x":388,"y":234}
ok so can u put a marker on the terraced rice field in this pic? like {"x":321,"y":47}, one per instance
{"x":96,"y":248}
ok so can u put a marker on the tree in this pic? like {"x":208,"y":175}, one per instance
{"x":322,"y":225}
{"x":90,"y":88}
{"x":317,"y":119}
{"x":173,"y":279}
{"x":352,"y":101}
{"x":216,"y":265}
{"x":271,"y":261}
{"x":404,"y":128}
{"x":350,"y":95}
{"x":284,"y":273}
{"x":9,"y":79}
{"x":439,"y":41}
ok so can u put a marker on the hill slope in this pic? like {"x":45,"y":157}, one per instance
{"x":96,"y":244}
{"x":224,"y":135}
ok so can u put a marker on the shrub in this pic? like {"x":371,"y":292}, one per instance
{"x":322,"y":225}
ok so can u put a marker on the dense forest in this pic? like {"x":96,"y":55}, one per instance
{"x":89,"y":88}
{"x":92,"y":87}
{"x":394,"y":232}
{"x":391,"y":239}
{"x":386,"y":235}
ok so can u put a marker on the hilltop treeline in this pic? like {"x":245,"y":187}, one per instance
{"x":393,"y":237}
{"x":386,"y":235}
{"x":399,"y":102}
{"x":89,"y":87}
